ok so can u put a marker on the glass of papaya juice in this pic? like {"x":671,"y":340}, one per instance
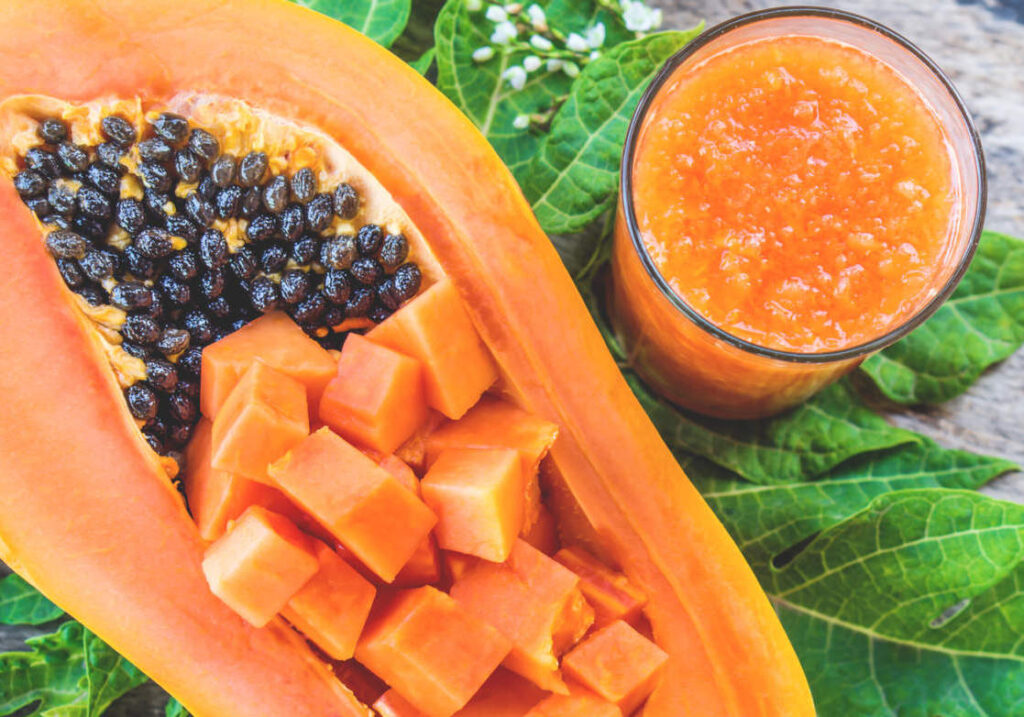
{"x":800,"y":188}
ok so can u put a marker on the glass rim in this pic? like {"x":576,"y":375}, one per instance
{"x":626,"y":185}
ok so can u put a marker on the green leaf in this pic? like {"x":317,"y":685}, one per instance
{"x":798,"y":445}
{"x":912,"y":606}
{"x":580,"y":15}
{"x":175,"y":709}
{"x":422,"y":65}
{"x":22,"y":604}
{"x":68,"y":673}
{"x":573,"y":178}
{"x":479,"y":90}
{"x":418,"y":36}
{"x":380,"y":20}
{"x":765,"y":520}
{"x":982,"y":323}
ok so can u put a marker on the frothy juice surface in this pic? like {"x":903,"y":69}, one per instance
{"x":796,"y":192}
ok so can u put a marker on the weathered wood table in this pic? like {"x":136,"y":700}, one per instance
{"x":980,"y":43}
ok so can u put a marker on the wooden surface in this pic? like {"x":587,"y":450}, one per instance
{"x":980,"y":44}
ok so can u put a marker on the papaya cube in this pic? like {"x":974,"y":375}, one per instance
{"x":392,"y":704}
{"x":264,"y":416}
{"x":354,"y":499}
{"x":275,"y":340}
{"x":505,"y":694}
{"x":430,"y":650}
{"x":617,"y":663}
{"x":424,"y":567}
{"x":259,"y":564}
{"x":376,"y":398}
{"x":533,"y":601}
{"x":331,"y":609}
{"x":477,"y":494}
{"x":578,"y":703}
{"x":609,"y":592}
{"x":217,"y":497}
{"x":436,"y":329}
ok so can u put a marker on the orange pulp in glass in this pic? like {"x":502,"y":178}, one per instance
{"x":796,"y":192}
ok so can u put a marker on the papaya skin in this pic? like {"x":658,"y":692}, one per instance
{"x":75,"y":497}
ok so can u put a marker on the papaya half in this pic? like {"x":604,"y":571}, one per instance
{"x":89,"y":515}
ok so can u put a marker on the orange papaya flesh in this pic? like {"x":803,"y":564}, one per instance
{"x":610,"y":593}
{"x":392,"y":704}
{"x":217,"y":497}
{"x":477,"y":495}
{"x":529,"y":599}
{"x":543,"y":534}
{"x":332,"y":607}
{"x":358,"y":502}
{"x":263,"y":417}
{"x":505,"y":694}
{"x":261,"y":562}
{"x":578,"y":703}
{"x":728,"y":652}
{"x":435,"y":328}
{"x":494,"y":423}
{"x":424,"y":567}
{"x":275,"y":340}
{"x":617,"y":663}
{"x":376,"y":398}
{"x":414,"y":451}
{"x":431,"y":650}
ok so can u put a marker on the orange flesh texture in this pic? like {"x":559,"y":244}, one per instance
{"x":610,"y":593}
{"x":277,"y":341}
{"x":376,"y":398}
{"x":617,"y":663}
{"x":431,"y":650}
{"x":798,"y":193}
{"x":361,"y":504}
{"x":333,"y":606}
{"x":543,"y":534}
{"x":505,"y":694}
{"x":259,"y":564}
{"x":216,"y":497}
{"x":435,"y":328}
{"x":729,"y":654}
{"x":424,"y":567}
{"x":578,"y":703}
{"x":494,"y":423}
{"x":414,"y":451}
{"x":264,"y":416}
{"x":392,"y":704}
{"x":528,"y":599}
{"x":477,"y":495}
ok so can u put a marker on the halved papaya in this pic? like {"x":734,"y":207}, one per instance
{"x":137,"y":581}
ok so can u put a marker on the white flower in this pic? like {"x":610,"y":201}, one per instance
{"x":594,"y":54}
{"x":539,"y":42}
{"x":515,"y":76}
{"x":595,"y":35}
{"x":571,"y":69}
{"x":638,"y":17}
{"x":531,"y":63}
{"x":504,"y":32}
{"x":483,"y":54}
{"x":521,"y":121}
{"x":655,"y":19}
{"x":555,"y":64}
{"x":538,"y":18}
{"x":474,"y":5}
{"x":496,"y":14}
{"x":576,"y":43}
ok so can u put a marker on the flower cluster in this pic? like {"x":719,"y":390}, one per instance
{"x":521,"y":28}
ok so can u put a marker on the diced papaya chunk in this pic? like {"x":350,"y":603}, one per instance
{"x":401,"y":472}
{"x":424,"y":567}
{"x":431,"y":650}
{"x":392,"y":704}
{"x":456,"y":564}
{"x":436,"y":329}
{"x":477,"y":494}
{"x":259,"y":564}
{"x":610,"y":593}
{"x":331,"y":609}
{"x":505,"y":694}
{"x":533,"y":601}
{"x":277,"y":341}
{"x":617,"y":663}
{"x":216,"y":497}
{"x":495,"y":423}
{"x":264,"y":416}
{"x":578,"y":703}
{"x":543,"y":534}
{"x":357,"y":501}
{"x":376,"y":398}
{"x":414,"y":451}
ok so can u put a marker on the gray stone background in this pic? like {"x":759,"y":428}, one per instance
{"x":980,"y":44}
